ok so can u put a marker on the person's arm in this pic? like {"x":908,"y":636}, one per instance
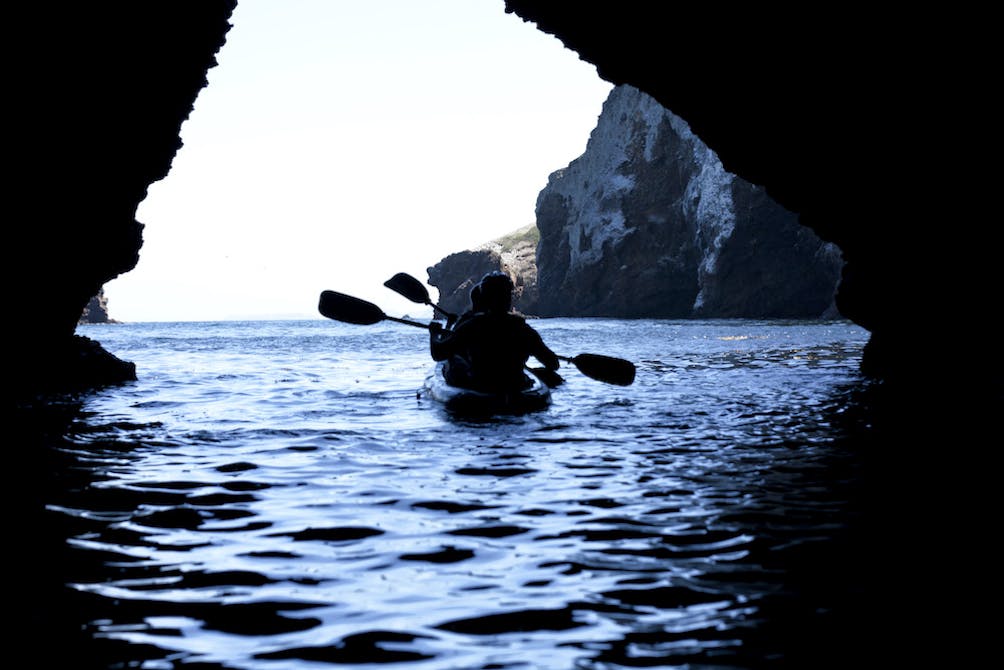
{"x":440,"y":342}
{"x":541,"y":351}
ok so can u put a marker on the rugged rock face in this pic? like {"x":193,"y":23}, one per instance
{"x":647,"y":223}
{"x":101,"y":92}
{"x":514,"y":254}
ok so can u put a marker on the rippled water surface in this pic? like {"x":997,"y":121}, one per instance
{"x":277,"y":495}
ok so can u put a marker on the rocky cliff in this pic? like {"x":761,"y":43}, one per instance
{"x":514,"y":254}
{"x":648,"y":223}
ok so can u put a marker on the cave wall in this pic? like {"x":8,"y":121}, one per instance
{"x":869,"y":124}
{"x":98,"y":94}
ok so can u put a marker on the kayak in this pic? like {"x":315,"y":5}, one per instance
{"x":535,"y":397}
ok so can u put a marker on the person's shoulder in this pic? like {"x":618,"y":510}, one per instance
{"x":472,"y":320}
{"x":517,"y":323}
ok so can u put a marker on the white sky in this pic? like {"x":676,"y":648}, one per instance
{"x":340,"y":142}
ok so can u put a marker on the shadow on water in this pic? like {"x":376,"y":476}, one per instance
{"x":925,"y":554}
{"x":862,"y":569}
{"x":49,"y":617}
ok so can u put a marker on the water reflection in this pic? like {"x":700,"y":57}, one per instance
{"x":713,"y":520}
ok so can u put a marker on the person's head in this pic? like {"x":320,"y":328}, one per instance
{"x":495,"y":291}
{"x":476,"y":305}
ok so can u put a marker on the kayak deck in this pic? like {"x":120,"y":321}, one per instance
{"x":467,"y":401}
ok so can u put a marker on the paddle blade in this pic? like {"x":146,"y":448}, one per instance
{"x":606,"y":368}
{"x":409,"y":287}
{"x":348,"y":309}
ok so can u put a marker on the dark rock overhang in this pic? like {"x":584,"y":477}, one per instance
{"x":865,"y":123}
{"x":96,"y":100}
{"x":869,"y":123}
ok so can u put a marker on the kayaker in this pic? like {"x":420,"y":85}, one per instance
{"x":452,"y":319}
{"x":488,"y":347}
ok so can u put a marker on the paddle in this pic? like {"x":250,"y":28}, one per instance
{"x":414,"y":290}
{"x":346,"y":308}
{"x":604,"y":368}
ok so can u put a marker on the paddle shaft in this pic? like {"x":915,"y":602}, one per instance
{"x":407,"y":322}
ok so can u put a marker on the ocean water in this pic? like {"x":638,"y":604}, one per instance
{"x":279,"y":495}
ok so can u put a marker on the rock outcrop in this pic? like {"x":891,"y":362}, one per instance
{"x":96,"y":310}
{"x":648,"y":223}
{"x":514,"y":254}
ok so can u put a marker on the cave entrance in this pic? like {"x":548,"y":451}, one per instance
{"x":339,"y":143}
